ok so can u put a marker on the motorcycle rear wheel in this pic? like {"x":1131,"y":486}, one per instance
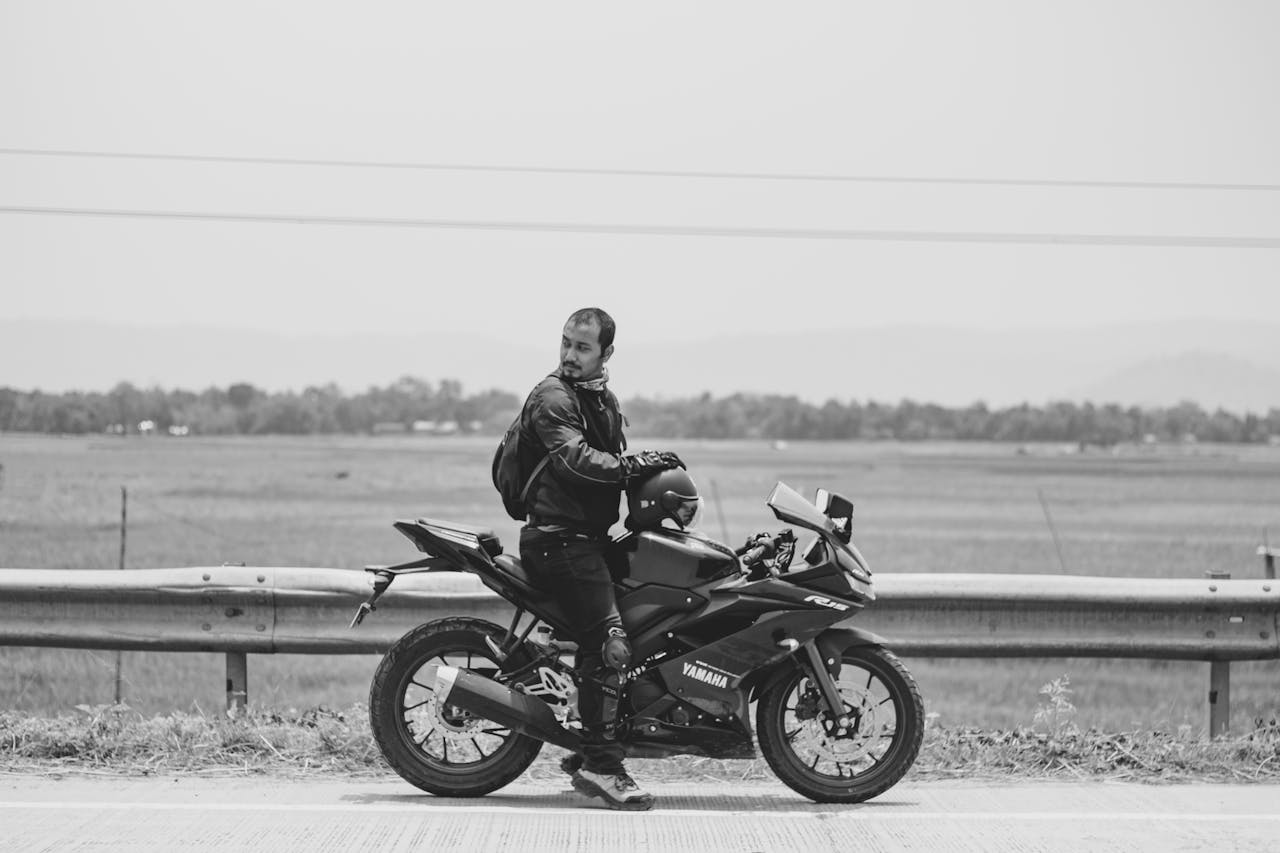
{"x":442,"y":749}
{"x":813,"y":757}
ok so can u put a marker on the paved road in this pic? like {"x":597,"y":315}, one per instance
{"x":282,"y":815}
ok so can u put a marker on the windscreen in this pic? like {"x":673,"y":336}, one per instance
{"x":788,"y":505}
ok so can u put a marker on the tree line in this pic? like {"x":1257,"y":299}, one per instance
{"x":410,"y":404}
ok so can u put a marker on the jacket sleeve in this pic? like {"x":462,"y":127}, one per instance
{"x":557,"y":422}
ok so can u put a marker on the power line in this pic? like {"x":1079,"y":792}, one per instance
{"x":649,"y":173}
{"x":1042,"y":239}
{"x":188,"y":522}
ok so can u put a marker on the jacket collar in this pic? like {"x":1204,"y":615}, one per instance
{"x":596,"y":385}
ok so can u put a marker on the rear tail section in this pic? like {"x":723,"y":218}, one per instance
{"x":467,"y":548}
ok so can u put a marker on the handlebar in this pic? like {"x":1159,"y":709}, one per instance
{"x":754,"y":555}
{"x":767,"y":547}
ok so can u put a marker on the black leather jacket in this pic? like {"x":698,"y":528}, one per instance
{"x":581,"y":430}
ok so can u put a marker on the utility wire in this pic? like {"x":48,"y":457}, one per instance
{"x":183,"y":520}
{"x":649,"y":173}
{"x":1042,"y":239}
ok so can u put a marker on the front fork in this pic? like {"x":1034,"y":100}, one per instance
{"x":821,"y":676}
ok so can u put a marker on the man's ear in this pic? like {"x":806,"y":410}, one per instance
{"x":608,"y":353}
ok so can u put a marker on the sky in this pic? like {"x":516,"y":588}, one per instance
{"x":1094,"y":92}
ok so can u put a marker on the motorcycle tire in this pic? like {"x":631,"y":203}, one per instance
{"x":415,"y":734}
{"x":812,"y":756}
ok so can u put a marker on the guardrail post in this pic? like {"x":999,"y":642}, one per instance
{"x":237,"y":681}
{"x":1219,"y":698}
{"x":1219,"y":682}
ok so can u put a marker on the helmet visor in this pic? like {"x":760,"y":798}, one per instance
{"x":689,"y":512}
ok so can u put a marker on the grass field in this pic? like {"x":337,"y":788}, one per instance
{"x":1144,"y":512}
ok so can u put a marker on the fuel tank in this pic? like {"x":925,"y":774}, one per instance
{"x":671,"y":558}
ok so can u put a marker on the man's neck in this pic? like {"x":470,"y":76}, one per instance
{"x":595,"y":383}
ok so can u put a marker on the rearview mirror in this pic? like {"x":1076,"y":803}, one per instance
{"x":839,"y":509}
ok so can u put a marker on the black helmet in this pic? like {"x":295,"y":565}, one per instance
{"x":666,"y":494}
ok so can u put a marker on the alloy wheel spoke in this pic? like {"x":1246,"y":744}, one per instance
{"x":841,"y":765}
{"x":424,"y":739}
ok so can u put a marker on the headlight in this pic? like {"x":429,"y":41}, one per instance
{"x":852,"y":567}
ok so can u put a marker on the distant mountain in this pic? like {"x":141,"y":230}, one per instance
{"x":1231,"y":364}
{"x":951,"y":366}
{"x":59,"y":356}
{"x":1210,"y":379}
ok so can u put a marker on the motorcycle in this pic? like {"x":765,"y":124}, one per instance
{"x":461,"y":706}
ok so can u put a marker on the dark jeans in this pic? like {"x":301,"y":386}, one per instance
{"x":573,"y":569}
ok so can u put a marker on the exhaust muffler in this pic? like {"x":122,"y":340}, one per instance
{"x":493,"y":701}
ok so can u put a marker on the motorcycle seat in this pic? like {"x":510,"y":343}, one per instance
{"x":485,"y":536}
{"x":511,"y":567}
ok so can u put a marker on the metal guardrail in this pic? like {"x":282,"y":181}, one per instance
{"x":241,"y":610}
{"x":226,"y":608}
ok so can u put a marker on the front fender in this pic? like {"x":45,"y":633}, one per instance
{"x":833,"y":641}
{"x":831,"y":645}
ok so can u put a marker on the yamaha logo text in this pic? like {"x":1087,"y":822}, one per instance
{"x":715,"y":679}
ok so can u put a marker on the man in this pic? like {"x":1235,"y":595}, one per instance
{"x":573,"y":418}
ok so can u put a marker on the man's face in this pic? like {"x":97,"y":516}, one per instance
{"x":580,"y":356}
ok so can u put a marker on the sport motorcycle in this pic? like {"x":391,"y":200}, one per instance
{"x":461,"y":706}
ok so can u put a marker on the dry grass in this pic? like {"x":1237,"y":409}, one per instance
{"x":320,"y":742}
{"x":1152,"y":756}
{"x":116,"y":738}
{"x":1055,"y":746}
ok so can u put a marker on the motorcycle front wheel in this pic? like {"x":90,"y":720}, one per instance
{"x":439,"y":748}
{"x":814,"y":756}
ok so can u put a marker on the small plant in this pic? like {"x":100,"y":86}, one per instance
{"x":1056,"y":714}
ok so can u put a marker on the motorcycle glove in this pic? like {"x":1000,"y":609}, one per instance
{"x":648,"y":462}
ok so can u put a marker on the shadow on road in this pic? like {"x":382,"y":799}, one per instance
{"x":705,"y":800}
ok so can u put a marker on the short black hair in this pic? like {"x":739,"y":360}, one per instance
{"x":586,"y":316}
